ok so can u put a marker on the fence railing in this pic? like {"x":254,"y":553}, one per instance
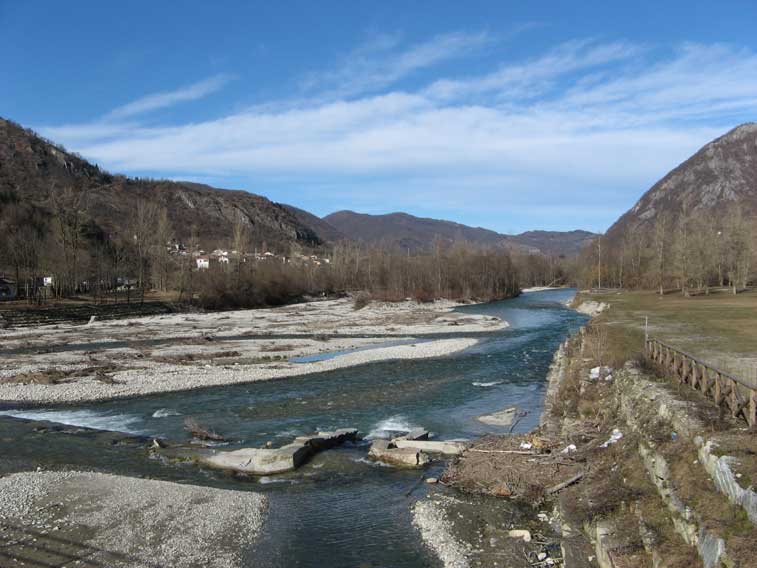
{"x":726,"y":390}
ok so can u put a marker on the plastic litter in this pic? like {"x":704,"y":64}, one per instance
{"x":614,"y":437}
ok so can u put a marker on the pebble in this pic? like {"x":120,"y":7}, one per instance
{"x":520,"y":533}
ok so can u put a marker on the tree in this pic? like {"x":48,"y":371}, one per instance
{"x":241,"y":242}
{"x":143,"y":233}
{"x":161,"y":259}
{"x":660,"y":235}
{"x":68,"y":208}
{"x":738,"y":248}
{"x":683,"y":248}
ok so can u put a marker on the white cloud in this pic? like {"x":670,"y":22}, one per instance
{"x":583,"y":118}
{"x":167,"y":99}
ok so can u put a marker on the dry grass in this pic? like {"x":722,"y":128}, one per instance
{"x":187,"y":358}
{"x":274,"y":347}
{"x":362,"y":299}
{"x":720,"y":322}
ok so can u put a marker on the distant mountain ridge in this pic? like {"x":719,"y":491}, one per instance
{"x":404,"y":231}
{"x":722,"y":173}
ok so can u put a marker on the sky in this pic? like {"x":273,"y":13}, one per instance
{"x":509,"y":115}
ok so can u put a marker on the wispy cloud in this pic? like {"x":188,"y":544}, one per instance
{"x":167,"y":99}
{"x":582,"y":118}
{"x":384,"y":60}
{"x":535,"y":76}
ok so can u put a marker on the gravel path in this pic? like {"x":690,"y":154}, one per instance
{"x":94,"y":519}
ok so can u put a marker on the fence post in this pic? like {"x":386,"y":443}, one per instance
{"x":733,"y":401}
{"x":723,"y":388}
{"x":718,"y":388}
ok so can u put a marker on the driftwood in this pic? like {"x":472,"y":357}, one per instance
{"x":560,"y":486}
{"x":193,"y":427}
{"x":519,"y":452}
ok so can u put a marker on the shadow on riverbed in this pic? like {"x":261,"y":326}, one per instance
{"x":47,"y":548}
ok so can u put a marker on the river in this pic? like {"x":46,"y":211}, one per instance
{"x":340,"y":509}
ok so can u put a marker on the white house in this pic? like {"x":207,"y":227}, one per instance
{"x":203,"y":263}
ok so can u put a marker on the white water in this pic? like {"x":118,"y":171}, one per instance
{"x":163,"y":412}
{"x":83,"y":418}
{"x":385,"y":428}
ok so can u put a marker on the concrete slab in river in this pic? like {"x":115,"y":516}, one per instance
{"x":268,"y":461}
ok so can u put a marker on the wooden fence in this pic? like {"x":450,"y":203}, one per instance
{"x":728,"y":391}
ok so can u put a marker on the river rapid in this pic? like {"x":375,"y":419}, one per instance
{"x":340,"y":509}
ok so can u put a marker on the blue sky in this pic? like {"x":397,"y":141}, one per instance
{"x":508,"y":115}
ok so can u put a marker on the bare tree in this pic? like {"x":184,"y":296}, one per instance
{"x":143,"y":233}
{"x":660,"y":234}
{"x":683,"y":247}
{"x":161,"y":259}
{"x":68,"y":207}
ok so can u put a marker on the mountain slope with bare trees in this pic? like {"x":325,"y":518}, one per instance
{"x":36,"y":172}
{"x":694,"y":228}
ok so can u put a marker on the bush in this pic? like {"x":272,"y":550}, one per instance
{"x":362,"y":299}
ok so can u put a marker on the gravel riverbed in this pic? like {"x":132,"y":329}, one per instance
{"x":127,"y":358}
{"x":95,"y":519}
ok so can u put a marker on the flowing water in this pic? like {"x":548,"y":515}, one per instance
{"x":340,"y":509}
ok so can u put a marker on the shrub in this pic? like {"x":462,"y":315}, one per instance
{"x":362,"y":299}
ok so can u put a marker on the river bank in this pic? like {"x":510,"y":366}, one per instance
{"x":647,"y":471}
{"x":520,"y":474}
{"x":68,"y":364}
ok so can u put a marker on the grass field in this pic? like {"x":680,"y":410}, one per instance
{"x":720,"y":327}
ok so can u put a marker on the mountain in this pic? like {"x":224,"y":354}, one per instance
{"x":323,"y":229}
{"x":408,"y":232}
{"x":556,"y":243}
{"x":32,"y":168}
{"x":721,"y":174}
{"x":405,"y":231}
